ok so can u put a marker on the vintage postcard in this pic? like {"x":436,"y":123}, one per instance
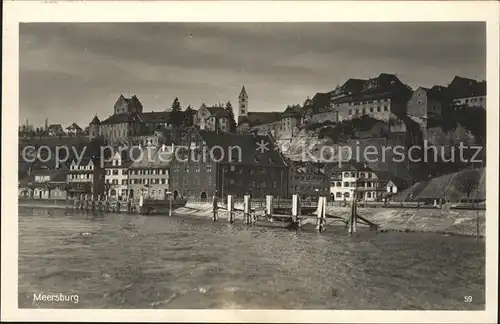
{"x":250,"y":161}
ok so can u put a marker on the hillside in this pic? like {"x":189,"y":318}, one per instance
{"x":468,"y":184}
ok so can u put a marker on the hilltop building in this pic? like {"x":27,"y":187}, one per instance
{"x":467,"y":92}
{"x":215,"y":118}
{"x":130,"y":120}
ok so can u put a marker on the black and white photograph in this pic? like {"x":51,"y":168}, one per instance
{"x":252,"y":165}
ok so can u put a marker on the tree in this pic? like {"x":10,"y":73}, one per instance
{"x":176,"y":113}
{"x":188,"y":116}
{"x":468,"y":182}
{"x":232,"y":120}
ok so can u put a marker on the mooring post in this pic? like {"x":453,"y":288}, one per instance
{"x":246,"y":209}
{"x":118,"y":206}
{"x":352,"y":218}
{"x":141,"y":202}
{"x":170,"y":198}
{"x":214,"y":208}
{"x":295,"y":208}
{"x":230,"y":209}
{"x":321,"y":214}
{"x":269,"y":207}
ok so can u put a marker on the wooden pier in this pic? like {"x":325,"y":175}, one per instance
{"x":293,"y":215}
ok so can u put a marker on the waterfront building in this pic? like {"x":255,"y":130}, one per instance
{"x":116,"y":176}
{"x":149,"y":174}
{"x":44,"y":184}
{"x":308,"y":179}
{"x":217,"y":163}
{"x":354,"y":179}
{"x":87,"y":174}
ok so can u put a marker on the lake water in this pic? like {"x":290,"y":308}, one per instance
{"x":131,"y":261}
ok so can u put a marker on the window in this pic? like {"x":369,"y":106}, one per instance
{"x":115,"y":172}
{"x":364,"y":110}
{"x":333,"y":184}
{"x":163,"y":181}
{"x":124,"y":182}
{"x":346,"y":195}
{"x":378,"y":109}
{"x":338,"y":195}
{"x":353,"y":184}
{"x":371,"y":109}
{"x":346,"y":184}
{"x":339,"y":184}
{"x":350,"y":112}
{"x":386,"y":108}
{"x":368,"y":195}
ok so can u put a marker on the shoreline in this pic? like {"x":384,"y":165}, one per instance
{"x":441,"y":222}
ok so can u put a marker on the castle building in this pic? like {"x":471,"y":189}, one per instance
{"x":427,"y":104}
{"x":213,"y":118}
{"x":129,"y":120}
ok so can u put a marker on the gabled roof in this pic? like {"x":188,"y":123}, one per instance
{"x":218,"y":111}
{"x":291,"y":111}
{"x":55,"y":126}
{"x":259,"y":118}
{"x":353,"y":85}
{"x":255,"y":149}
{"x":156,"y":117}
{"x":95,"y":121}
{"x":153,"y":158}
{"x":122,"y":118}
{"x":74,"y":126}
{"x":464,"y":87}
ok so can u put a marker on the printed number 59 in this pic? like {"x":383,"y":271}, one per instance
{"x":468,"y":299}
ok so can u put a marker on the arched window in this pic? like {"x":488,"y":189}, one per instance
{"x":346,"y":195}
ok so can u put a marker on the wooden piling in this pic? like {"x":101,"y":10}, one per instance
{"x":321,"y":214}
{"x":230,"y":209}
{"x":246,"y":209}
{"x":170,"y":198}
{"x":352,"y":218}
{"x":214,"y":207}
{"x":269,"y":208}
{"x":296,"y":210}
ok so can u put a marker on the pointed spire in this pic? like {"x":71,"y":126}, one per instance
{"x":243,"y":93}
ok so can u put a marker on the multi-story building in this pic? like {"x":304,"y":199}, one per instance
{"x":116,"y":177}
{"x":213,"y":163}
{"x":308,"y":179}
{"x":467,"y":92}
{"x":149,"y":174}
{"x":428,"y":104}
{"x":87,"y":174}
{"x":357,"y":180}
{"x":213,"y":118}
{"x":129,"y":120}
{"x":382,"y":96}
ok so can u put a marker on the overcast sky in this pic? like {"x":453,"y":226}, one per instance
{"x":69,"y":72}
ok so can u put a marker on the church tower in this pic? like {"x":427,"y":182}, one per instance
{"x":243,"y":105}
